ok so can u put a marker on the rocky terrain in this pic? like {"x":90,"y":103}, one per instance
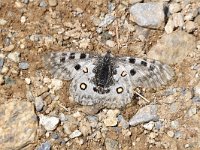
{"x":36,"y":109}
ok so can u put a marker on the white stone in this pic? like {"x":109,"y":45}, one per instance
{"x":4,"y":70}
{"x":14,"y":56}
{"x":23,"y":19}
{"x":28,"y":80}
{"x":49,"y":123}
{"x":56,"y":84}
{"x":75,"y":134}
{"x":178,"y":19}
{"x":3,"y":22}
{"x":170,"y":133}
{"x":111,"y":118}
{"x":84,"y":43}
{"x":174,"y":7}
{"x":169,"y":26}
{"x":110,"y":43}
{"x":190,"y":26}
{"x":53,"y":3}
{"x":149,"y":126}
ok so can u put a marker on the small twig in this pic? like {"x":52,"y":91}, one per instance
{"x":117,"y":35}
{"x":142,"y":97}
{"x":62,"y":106}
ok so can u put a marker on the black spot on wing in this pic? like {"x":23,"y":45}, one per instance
{"x":72,"y":56}
{"x":144,"y":63}
{"x":82,"y":56}
{"x":132,"y":60}
{"x":62,"y":59}
{"x":77,"y":67}
{"x":152,"y":67}
{"x":132,"y":72}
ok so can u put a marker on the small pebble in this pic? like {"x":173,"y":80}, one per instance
{"x":108,"y":19}
{"x":75,"y":134}
{"x":2,"y":22}
{"x":43,"y":4}
{"x":28,"y":80}
{"x":174,"y":8}
{"x":49,"y":123}
{"x":187,"y":145}
{"x":170,"y":134}
{"x":9,"y":48}
{"x":23,"y":19}
{"x":14,"y":56}
{"x":169,"y":26}
{"x":45,"y":146}
{"x":39,"y":103}
{"x":1,"y":79}
{"x":190,"y":26}
{"x":111,"y":119}
{"x":145,"y":114}
{"x":149,"y":126}
{"x":178,"y":20}
{"x":110,"y":43}
{"x":23,"y":65}
{"x":53,"y":3}
{"x":1,"y":63}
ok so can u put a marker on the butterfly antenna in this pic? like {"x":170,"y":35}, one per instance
{"x":142,"y":97}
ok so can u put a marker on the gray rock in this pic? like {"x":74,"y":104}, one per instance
{"x":173,"y":48}
{"x":45,"y":146}
{"x":196,"y":99}
{"x":123,"y":122}
{"x":25,"y":1}
{"x":145,"y":114}
{"x":39,"y":103}
{"x":111,"y":144}
{"x":18,"y":115}
{"x":108,"y":19}
{"x":23,"y":65}
{"x":43,"y":4}
{"x":149,"y":15}
{"x":9,"y":80}
{"x":1,"y":63}
{"x":7,"y":41}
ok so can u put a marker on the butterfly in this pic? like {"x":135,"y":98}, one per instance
{"x":104,"y":79}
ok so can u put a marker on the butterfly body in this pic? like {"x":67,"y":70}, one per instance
{"x":106,"y":80}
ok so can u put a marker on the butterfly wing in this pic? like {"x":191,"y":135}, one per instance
{"x":145,"y":72}
{"x":82,"y":88}
{"x":65,"y":65}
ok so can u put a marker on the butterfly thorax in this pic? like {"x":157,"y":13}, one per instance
{"x":104,"y":72}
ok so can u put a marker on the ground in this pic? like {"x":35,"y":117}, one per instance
{"x":31,"y":28}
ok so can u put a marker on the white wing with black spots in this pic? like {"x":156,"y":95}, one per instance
{"x":146,"y":72}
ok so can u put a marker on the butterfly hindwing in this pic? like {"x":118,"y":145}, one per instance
{"x":82,"y":88}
